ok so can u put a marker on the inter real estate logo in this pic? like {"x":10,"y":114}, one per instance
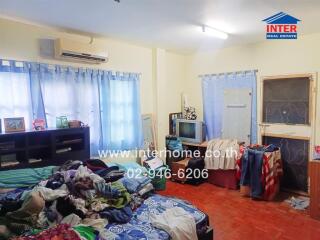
{"x":281,"y":26}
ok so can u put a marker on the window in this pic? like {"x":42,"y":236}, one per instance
{"x":120,"y":115}
{"x":121,"y":112}
{"x":15,"y":96}
{"x":286,"y":101}
{"x":108,"y":103}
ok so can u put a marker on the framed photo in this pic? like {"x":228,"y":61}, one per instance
{"x":14,"y":124}
{"x":39,"y":124}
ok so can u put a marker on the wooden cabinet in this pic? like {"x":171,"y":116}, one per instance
{"x":43,"y":148}
{"x":178,"y":170}
{"x":314,"y":169}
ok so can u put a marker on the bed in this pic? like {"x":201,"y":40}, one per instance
{"x":140,"y":228}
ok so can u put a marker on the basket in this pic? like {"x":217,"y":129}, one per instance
{"x":159,"y":179}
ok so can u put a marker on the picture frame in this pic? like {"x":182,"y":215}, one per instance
{"x":39,"y":124}
{"x":14,"y":124}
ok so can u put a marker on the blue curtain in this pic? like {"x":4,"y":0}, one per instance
{"x":15,"y":91}
{"x":70,"y":92}
{"x":212,"y":91}
{"x":121,"y":125}
{"x":108,"y":103}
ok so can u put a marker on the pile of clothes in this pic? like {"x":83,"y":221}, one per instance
{"x":78,"y":200}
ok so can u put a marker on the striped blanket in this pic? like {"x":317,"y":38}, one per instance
{"x":24,"y":177}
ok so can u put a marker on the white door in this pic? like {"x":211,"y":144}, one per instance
{"x":236,"y":122}
{"x":288,"y":121}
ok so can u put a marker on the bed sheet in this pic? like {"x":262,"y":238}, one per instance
{"x":140,"y":227}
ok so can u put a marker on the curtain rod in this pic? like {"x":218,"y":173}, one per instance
{"x":213,"y":74}
{"x":19,"y":63}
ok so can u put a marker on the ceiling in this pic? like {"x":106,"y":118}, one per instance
{"x":170,"y":24}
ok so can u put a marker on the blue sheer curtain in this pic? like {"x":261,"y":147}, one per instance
{"x":15,"y":93}
{"x":108,"y":103}
{"x":70,"y":92}
{"x":120,"y":111}
{"x":212,"y":91}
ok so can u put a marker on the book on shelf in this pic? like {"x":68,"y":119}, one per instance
{"x":10,"y":164}
{"x":63,"y":150}
{"x":34,"y":160}
{"x":9,"y":160}
{"x":71,"y":141}
{"x":7,"y":145}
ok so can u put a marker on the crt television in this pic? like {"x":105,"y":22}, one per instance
{"x":191,"y":131}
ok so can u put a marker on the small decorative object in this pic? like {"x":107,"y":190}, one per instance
{"x":172,"y":122}
{"x":62,"y":122}
{"x":39,"y":124}
{"x":190,"y":113}
{"x":75,"y":124}
{"x":14,"y":124}
{"x":316,"y":153}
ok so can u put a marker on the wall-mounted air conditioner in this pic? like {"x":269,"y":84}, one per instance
{"x":74,"y":51}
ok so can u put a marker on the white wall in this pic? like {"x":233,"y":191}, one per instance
{"x":165,"y":75}
{"x":274,"y":57}
{"x":20,"y":41}
{"x":170,"y":77}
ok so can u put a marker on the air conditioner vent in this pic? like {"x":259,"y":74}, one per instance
{"x":84,"y":56}
{"x":75,"y":51}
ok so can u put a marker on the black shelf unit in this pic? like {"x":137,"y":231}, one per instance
{"x":43,"y":148}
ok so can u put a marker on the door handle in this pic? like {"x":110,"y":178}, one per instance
{"x":264,"y":125}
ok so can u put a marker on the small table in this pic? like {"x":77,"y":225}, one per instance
{"x":314,"y":173}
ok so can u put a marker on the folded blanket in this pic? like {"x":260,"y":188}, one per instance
{"x":24,"y":177}
{"x":135,"y":184}
{"x":123,"y":199}
{"x":122,"y":215}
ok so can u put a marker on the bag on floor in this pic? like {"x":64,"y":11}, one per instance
{"x":175,"y":148}
{"x":196,"y":166}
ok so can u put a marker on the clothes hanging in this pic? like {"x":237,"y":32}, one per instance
{"x":260,"y":168}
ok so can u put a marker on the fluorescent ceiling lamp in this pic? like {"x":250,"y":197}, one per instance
{"x":214,"y":32}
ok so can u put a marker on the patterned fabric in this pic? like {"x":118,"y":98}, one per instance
{"x":271,"y":170}
{"x":60,"y":232}
{"x":242,"y":148}
{"x":140,"y":227}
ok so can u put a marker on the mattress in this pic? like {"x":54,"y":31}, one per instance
{"x":140,"y":227}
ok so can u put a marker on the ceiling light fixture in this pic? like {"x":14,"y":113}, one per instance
{"x":214,"y":32}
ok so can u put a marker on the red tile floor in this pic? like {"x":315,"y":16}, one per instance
{"x":234,"y":217}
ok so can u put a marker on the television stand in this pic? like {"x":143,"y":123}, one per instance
{"x":201,"y":147}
